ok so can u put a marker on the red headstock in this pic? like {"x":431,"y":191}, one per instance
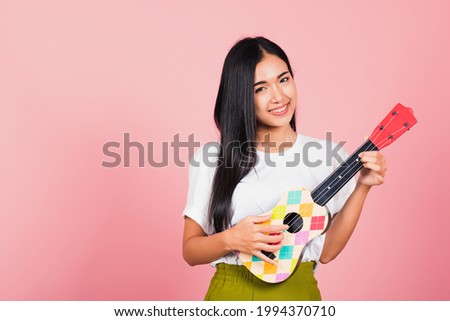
{"x":399,"y":120}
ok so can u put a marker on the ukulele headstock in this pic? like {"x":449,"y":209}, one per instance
{"x":398,"y":121}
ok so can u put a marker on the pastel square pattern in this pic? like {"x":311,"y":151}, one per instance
{"x":282,"y":276}
{"x":270,"y":268}
{"x":279,"y":212}
{"x":286,"y":252}
{"x":294,"y":197}
{"x":317,"y":223}
{"x":301,"y":238}
{"x":256,"y":259}
{"x":306,"y":209}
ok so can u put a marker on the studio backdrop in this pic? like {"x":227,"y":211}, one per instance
{"x":100,"y":102}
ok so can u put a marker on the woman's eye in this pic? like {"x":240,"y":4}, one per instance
{"x":284,"y":79}
{"x":259,"y":90}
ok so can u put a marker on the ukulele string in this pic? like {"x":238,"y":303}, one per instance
{"x":296,"y":218}
{"x":347,"y":170}
{"x":387,"y":140}
{"x":337,"y":180}
{"x":382,"y":144}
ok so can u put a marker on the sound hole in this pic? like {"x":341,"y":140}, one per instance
{"x":295,"y":222}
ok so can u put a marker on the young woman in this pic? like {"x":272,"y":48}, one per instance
{"x":261,"y":156}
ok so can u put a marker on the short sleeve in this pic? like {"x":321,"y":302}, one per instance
{"x":337,"y":201}
{"x":199,"y":189}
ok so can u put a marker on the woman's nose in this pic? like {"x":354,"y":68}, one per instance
{"x":277,"y":94}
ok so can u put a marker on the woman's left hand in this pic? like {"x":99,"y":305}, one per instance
{"x":374,"y":168}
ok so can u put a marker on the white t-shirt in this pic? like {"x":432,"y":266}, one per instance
{"x":305,"y":164}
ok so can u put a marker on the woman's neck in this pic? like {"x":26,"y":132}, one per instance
{"x":270,"y":140}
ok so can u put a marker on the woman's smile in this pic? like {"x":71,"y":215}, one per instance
{"x":280,"y":111}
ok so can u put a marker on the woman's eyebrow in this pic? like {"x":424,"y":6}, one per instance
{"x":263,"y":82}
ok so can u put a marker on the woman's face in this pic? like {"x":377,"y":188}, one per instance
{"x":274,"y":92}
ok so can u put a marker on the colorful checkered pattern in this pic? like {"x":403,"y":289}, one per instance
{"x":315,"y":220}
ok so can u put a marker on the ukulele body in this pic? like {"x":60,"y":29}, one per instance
{"x":306,"y":219}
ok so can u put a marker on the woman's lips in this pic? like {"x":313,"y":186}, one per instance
{"x":279,"y":111}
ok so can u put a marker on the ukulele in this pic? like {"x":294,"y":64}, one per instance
{"x":305,"y":212}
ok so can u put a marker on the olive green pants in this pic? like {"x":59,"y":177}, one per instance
{"x":236,"y":283}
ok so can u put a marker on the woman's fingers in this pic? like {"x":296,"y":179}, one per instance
{"x":366,"y":159}
{"x":259,"y":218}
{"x":270,"y":248}
{"x":373,"y":160}
{"x":264,"y":258}
{"x":369,"y":153}
{"x":272,"y":228}
{"x":272,"y":238}
{"x":372,"y":166}
{"x":262,"y":237}
{"x":265,"y":228}
{"x":267,"y":248}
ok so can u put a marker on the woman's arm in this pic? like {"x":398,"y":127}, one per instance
{"x":247,"y":236}
{"x":345,"y":222}
{"x":198,"y":248}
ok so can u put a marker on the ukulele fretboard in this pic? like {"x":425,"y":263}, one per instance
{"x":341,"y":175}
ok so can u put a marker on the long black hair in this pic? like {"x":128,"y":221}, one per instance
{"x":235,"y":117}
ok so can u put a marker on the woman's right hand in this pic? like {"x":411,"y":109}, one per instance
{"x":250,"y":237}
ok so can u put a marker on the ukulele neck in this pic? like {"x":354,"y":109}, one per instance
{"x":341,"y":175}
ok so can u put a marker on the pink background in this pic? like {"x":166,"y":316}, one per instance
{"x":77,"y":74}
